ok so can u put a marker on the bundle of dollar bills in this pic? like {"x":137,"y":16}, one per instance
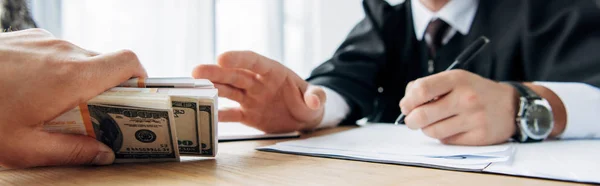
{"x":148,"y":120}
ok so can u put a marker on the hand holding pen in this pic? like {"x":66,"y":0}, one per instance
{"x":465,"y":57}
{"x":468,"y":109}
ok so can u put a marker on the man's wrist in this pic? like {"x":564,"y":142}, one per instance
{"x":558,"y":109}
{"x":515,"y":101}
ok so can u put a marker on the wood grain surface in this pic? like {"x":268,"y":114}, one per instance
{"x":238,"y":163}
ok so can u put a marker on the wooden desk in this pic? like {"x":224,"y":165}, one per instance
{"x":239,"y":164}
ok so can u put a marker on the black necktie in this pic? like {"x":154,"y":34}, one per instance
{"x":436,"y":30}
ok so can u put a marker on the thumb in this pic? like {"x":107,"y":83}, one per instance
{"x":65,"y":149}
{"x":314,"y":97}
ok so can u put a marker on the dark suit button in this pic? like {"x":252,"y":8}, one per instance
{"x":430,"y":66}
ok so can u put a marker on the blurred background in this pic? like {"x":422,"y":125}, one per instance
{"x":172,"y":36}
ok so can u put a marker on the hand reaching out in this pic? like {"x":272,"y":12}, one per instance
{"x":272,"y":97}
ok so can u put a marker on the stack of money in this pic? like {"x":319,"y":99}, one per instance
{"x":148,"y":120}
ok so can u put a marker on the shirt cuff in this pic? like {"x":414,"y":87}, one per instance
{"x":582,"y":103}
{"x":336,"y":109}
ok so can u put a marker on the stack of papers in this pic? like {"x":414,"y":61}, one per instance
{"x":385,"y":143}
{"x":396,"y":145}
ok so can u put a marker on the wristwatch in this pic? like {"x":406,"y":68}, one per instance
{"x":534,"y":118}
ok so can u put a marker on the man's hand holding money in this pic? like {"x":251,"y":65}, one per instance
{"x":42,"y":77}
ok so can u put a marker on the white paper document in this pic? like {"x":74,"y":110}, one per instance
{"x":397,"y":144}
{"x":236,"y":131}
{"x":232,"y":131}
{"x":569,"y":160}
{"x":385,"y":143}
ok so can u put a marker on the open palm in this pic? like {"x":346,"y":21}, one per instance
{"x":272,"y":98}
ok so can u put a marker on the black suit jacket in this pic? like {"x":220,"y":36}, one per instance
{"x":532,"y":40}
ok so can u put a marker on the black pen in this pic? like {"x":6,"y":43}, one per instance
{"x":465,"y":57}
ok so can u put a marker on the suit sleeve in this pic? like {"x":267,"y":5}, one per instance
{"x":562,"y":49}
{"x":562,"y":42}
{"x":352,"y":71}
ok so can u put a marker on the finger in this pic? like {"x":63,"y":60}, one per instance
{"x":432,"y":112}
{"x":447,"y":128}
{"x":231,"y":115}
{"x":250,"y":61}
{"x":314,"y":97}
{"x":86,"y":53}
{"x":430,"y":87}
{"x":32,"y":32}
{"x":90,"y":53}
{"x":88,"y":78}
{"x":109,"y":70}
{"x":55,"y":44}
{"x":241,"y":79}
{"x":49,"y":149}
{"x":230,"y":93}
{"x":125,"y":62}
{"x":66,"y":45}
{"x":36,"y":31}
{"x":408,"y":86}
{"x":295,"y":99}
{"x":405,"y":90}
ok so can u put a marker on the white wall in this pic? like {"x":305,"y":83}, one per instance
{"x":314,"y":29}
{"x":250,"y":25}
{"x":172,"y":36}
{"x":47,"y":15}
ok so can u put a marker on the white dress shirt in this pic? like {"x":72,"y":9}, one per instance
{"x":582,"y":101}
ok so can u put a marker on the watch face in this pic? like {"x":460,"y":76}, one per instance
{"x":539,"y":120}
